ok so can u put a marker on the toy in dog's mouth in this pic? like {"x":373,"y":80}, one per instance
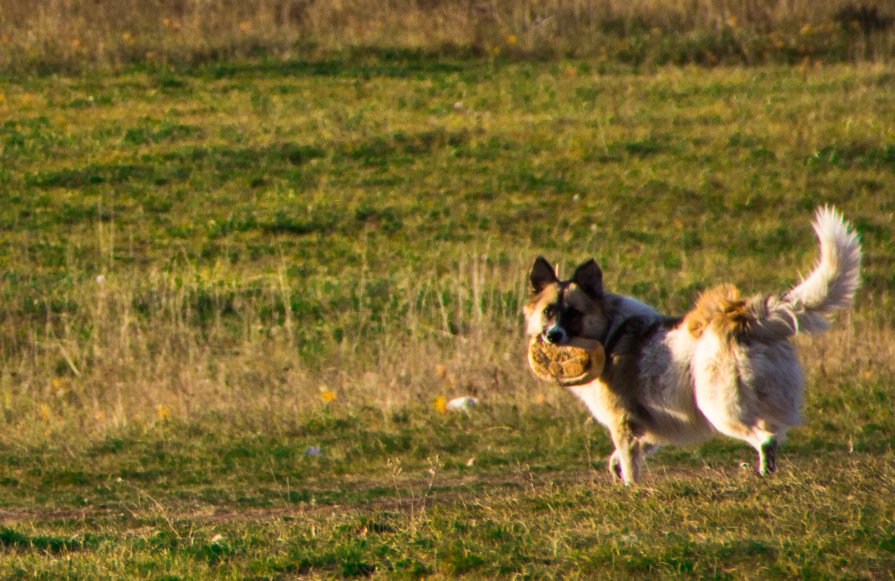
{"x":574,"y":363}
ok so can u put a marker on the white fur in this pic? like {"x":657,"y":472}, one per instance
{"x":830,"y":287}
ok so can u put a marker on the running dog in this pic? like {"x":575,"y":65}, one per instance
{"x":727,"y":366}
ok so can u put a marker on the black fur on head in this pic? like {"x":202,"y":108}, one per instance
{"x":541,"y":275}
{"x":589,"y":278}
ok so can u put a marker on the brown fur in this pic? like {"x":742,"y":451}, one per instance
{"x":722,"y":309}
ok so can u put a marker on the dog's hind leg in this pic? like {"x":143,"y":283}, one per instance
{"x":767,"y":456}
{"x":757,"y":432}
{"x":765,"y":443}
{"x":765,"y":438}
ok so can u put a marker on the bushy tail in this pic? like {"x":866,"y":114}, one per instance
{"x":830,"y":287}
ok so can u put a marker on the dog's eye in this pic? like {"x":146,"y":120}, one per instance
{"x":549,"y":311}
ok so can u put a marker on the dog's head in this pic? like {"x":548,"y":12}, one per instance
{"x":560,"y":310}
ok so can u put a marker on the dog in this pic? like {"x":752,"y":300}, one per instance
{"x":726,"y":366}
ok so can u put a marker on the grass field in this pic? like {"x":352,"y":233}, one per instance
{"x":234,"y":295}
{"x":77,"y":34}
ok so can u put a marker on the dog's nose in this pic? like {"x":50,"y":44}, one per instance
{"x":555,"y":335}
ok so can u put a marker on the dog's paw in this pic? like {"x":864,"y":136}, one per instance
{"x":767,"y":457}
{"x":615,"y":467}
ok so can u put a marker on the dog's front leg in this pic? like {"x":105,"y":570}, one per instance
{"x":624,"y":464}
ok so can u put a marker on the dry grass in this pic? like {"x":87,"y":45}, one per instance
{"x":74,"y":33}
{"x":140,"y":350}
{"x":109,"y":366}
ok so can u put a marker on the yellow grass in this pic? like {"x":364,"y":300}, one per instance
{"x":135,"y":370}
{"x":73,"y":33}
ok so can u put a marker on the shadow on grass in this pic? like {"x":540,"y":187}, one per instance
{"x":13,"y":539}
{"x":356,"y":63}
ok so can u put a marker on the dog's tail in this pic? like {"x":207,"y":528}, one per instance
{"x":806,"y":307}
{"x":830,"y":287}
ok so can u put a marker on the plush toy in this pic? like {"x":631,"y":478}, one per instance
{"x":577,"y":362}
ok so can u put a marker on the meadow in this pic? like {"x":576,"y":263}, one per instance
{"x":236,"y":293}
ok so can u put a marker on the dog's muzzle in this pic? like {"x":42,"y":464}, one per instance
{"x":556,"y":335}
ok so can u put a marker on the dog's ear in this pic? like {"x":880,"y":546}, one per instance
{"x":541,"y":275}
{"x":589,"y":278}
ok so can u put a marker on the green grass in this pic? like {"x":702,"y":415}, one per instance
{"x":400,"y":498}
{"x":194,"y":260}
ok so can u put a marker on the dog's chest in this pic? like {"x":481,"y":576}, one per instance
{"x":604,"y":405}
